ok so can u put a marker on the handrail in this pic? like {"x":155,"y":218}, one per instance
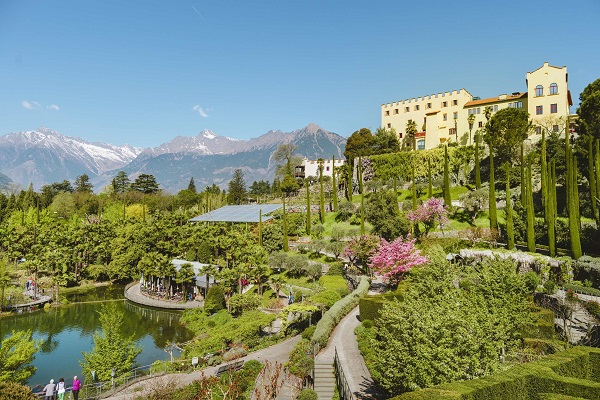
{"x":340,"y":379}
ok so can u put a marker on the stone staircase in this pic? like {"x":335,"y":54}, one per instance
{"x":324,"y":379}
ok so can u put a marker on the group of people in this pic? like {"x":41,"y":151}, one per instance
{"x":52,"y":389}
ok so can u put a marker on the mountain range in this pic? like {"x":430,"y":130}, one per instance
{"x":44,"y":156}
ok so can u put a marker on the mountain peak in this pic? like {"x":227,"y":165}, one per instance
{"x":312,"y":128}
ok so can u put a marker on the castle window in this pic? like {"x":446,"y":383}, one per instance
{"x":452,"y":131}
{"x":387,"y":113}
{"x":539,"y":90}
{"x":444,"y":104}
{"x":455,"y":115}
{"x":555,"y":128}
{"x":553,"y":88}
{"x":553,"y":108}
{"x":389,"y":126}
{"x":495,"y":107}
{"x":480,"y":124}
{"x":539,"y":110}
{"x":421,"y":144}
{"x":395,"y":111}
{"x":417,"y":107}
{"x":428,"y":105}
{"x":454,"y":102}
{"x":445,"y":117}
{"x":406,"y":109}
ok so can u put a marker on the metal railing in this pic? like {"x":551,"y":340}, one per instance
{"x":340,"y":379}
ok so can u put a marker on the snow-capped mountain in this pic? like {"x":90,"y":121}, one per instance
{"x":205,"y":143}
{"x":44,"y":156}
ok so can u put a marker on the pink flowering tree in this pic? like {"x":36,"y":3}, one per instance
{"x":393,"y":259}
{"x":431,"y":213}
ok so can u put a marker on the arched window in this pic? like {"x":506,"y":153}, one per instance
{"x":553,"y":88}
{"x":539,"y":90}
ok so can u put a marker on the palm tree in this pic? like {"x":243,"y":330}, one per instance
{"x":471,"y":121}
{"x":184,"y":276}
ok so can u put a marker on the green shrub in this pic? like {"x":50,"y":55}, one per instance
{"x":532,"y":280}
{"x":367,"y":324}
{"x":238,"y":303}
{"x":15,"y":391}
{"x":582,"y":289}
{"x":550,"y":287}
{"x":300,"y":362}
{"x":334,"y":282}
{"x":215,"y":300}
{"x":308,"y":332}
{"x":575,"y":373}
{"x":339,"y":310}
{"x":587,"y":268}
{"x":328,"y":298}
{"x":336,"y":268}
{"x":593,"y":308}
{"x":307,"y":394}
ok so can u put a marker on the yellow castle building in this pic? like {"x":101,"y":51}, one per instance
{"x":444,"y":117}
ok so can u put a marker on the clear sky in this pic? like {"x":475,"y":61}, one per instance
{"x":142,"y":72}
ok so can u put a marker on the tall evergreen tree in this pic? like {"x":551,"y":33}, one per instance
{"x":572,"y":199}
{"x":477,"y":166}
{"x":523,"y":183}
{"x":543,"y":169}
{"x":429,"y":179}
{"x":492,"y":200}
{"x":510,"y":230}
{"x":321,"y":192}
{"x":551,"y":209}
{"x":286,"y":246}
{"x":334,"y":187}
{"x":82,"y":184}
{"x":237,"y":192}
{"x":447,"y":196}
{"x":530,"y":211}
{"x":308,"y":216}
{"x":121,"y":182}
{"x":145,"y":183}
{"x":362,"y":197}
{"x":413,"y":187}
{"x":192,"y":186}
{"x":592,"y":181}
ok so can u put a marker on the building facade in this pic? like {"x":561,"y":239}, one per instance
{"x":444,"y":117}
{"x":311,"y":167}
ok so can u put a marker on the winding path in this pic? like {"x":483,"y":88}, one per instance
{"x":277,"y":353}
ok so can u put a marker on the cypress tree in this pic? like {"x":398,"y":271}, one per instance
{"x":447,"y":197}
{"x":429,"y":179}
{"x":510,"y":230}
{"x":544,"y":170}
{"x":284,"y":220}
{"x":523,"y":183}
{"x":260,"y":242}
{"x":349,"y":176}
{"x":362,"y":198}
{"x":597,"y":182}
{"x":572,"y":199}
{"x":308,"y":217}
{"x":413,"y":188}
{"x":321,"y":195}
{"x":592,"y":180}
{"x":551,"y":208}
{"x":334,"y":184}
{"x":492,"y":199}
{"x":477,"y":168}
{"x":530,"y":211}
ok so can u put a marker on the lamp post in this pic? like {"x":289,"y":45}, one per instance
{"x":112,"y":377}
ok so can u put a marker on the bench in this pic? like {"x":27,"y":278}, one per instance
{"x":236,"y":366}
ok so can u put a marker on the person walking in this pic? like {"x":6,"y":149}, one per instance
{"x":49,"y":390}
{"x":60,"y":389}
{"x":76,"y":388}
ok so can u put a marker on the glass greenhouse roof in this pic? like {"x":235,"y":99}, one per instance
{"x":244,"y":213}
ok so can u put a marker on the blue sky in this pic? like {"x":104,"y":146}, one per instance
{"x":142,"y":72}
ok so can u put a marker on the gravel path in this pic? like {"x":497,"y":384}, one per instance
{"x":277,"y":353}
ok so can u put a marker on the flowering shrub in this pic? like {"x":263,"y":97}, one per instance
{"x":393,"y":259}
{"x":431,"y":213}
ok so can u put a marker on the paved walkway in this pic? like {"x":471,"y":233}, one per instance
{"x":277,"y":353}
{"x":135,"y":295}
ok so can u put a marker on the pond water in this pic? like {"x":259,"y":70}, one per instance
{"x":67,"y":332}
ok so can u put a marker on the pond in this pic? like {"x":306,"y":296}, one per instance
{"x":67,"y":332}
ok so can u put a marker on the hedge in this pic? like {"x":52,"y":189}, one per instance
{"x":542,"y":326}
{"x":582,"y":289}
{"x":587,"y":268}
{"x":330,"y":319}
{"x":575,"y":373}
{"x":370,"y":306}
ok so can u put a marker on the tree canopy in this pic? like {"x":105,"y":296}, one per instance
{"x":505,"y":131}
{"x":237,"y":192}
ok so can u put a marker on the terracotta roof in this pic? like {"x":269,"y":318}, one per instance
{"x":495,"y":99}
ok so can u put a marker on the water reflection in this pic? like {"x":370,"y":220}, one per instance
{"x":67,"y":332}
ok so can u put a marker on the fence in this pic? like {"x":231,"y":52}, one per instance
{"x":340,"y":379}
{"x":98,"y":390}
